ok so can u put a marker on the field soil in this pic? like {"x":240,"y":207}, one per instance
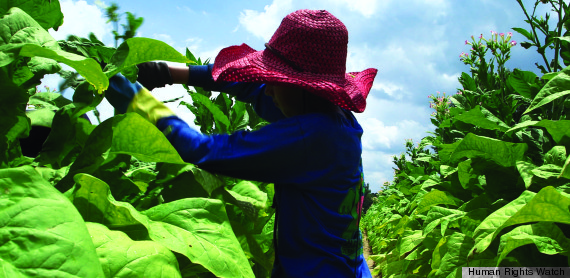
{"x":367,"y":252}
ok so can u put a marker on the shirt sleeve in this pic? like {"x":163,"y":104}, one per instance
{"x":254,"y":93}
{"x":274,"y":153}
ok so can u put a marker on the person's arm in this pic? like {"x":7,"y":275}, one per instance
{"x":274,"y":153}
{"x":153,"y":75}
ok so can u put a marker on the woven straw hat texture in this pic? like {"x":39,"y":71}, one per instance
{"x":309,"y":51}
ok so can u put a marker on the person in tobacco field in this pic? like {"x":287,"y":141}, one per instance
{"x":311,"y":150}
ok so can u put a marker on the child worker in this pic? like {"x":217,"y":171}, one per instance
{"x":311,"y":150}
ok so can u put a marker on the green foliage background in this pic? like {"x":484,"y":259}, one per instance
{"x":114,"y":199}
{"x":493,"y":190}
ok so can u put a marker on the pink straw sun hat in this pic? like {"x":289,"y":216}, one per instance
{"x":309,"y":51}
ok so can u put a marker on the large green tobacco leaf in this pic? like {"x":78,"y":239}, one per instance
{"x":87,"y":67}
{"x":123,"y":134}
{"x":546,"y":205}
{"x":483,"y":118}
{"x":247,"y":191}
{"x":557,"y":87}
{"x":198,"y":228}
{"x":547,"y":171}
{"x":41,"y":233}
{"x":524,"y":83}
{"x":135,"y":51}
{"x":547,"y":236}
{"x":503,"y":153}
{"x":20,"y":28}
{"x":92,"y":47}
{"x":23,"y":37}
{"x":520,"y":126}
{"x":408,"y":241}
{"x":559,"y":130}
{"x":439,"y":215}
{"x":487,"y":230}
{"x":122,"y":257}
{"x":436,"y":197}
{"x":450,"y":255}
{"x":46,"y":13}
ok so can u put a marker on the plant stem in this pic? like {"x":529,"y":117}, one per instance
{"x":559,"y":33}
{"x":536,"y":41}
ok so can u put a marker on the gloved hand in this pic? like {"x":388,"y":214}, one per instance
{"x":154,"y":75}
{"x":133,"y":97}
{"x":121,"y":92}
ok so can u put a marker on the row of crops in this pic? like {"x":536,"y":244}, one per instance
{"x":114,"y":199}
{"x":491,"y":186}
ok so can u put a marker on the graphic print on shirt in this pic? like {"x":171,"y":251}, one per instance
{"x":351,"y":206}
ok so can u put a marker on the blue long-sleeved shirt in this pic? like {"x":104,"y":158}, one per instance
{"x":314,"y":162}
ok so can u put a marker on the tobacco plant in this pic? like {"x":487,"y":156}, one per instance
{"x":493,"y":187}
{"x":114,"y":199}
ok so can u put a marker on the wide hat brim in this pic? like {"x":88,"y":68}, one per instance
{"x":241,"y":63}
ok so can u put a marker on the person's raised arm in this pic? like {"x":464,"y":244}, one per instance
{"x":159,"y":74}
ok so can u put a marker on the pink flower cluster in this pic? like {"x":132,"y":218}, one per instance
{"x":498,"y":43}
{"x":440,"y":104}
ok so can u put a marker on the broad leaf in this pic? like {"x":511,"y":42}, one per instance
{"x":198,"y":228}
{"x":559,"y":130}
{"x":439,"y":215}
{"x":503,"y":153}
{"x":123,"y":134}
{"x":521,"y":81}
{"x":547,"y":237}
{"x":24,"y":37}
{"x":42,"y":234}
{"x":557,"y":87}
{"x":436,"y":197}
{"x":135,"y":51}
{"x":122,"y":257}
{"x":87,"y":67}
{"x":546,"y":205}
{"x":450,"y":255}
{"x":46,"y":13}
{"x":247,"y":191}
{"x":481,"y":117}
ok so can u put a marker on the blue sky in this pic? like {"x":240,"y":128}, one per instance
{"x":415,"y":45}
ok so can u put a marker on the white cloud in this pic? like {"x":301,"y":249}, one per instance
{"x":448,"y":80}
{"x":378,"y":135}
{"x":264,"y":24}
{"x":388,"y":88}
{"x":76,"y":14}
